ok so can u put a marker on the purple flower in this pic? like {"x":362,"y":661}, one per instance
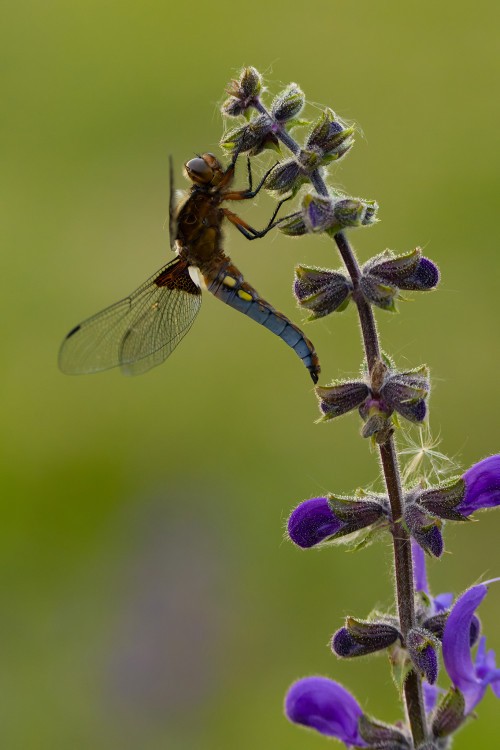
{"x":323,"y":519}
{"x":470,"y":678}
{"x":312,"y":522}
{"x":326,"y":706}
{"x":482,"y":486}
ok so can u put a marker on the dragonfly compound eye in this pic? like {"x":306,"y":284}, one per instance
{"x":199,"y":171}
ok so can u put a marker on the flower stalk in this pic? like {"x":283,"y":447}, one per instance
{"x":403,"y":565}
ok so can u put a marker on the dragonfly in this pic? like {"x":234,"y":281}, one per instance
{"x":142,"y":330}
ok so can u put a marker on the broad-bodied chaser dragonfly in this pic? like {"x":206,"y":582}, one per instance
{"x":142,"y":330}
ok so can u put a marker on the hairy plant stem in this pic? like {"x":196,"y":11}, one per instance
{"x":403,"y":565}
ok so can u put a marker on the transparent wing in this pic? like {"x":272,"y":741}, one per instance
{"x":140,"y":331}
{"x":172,"y":221}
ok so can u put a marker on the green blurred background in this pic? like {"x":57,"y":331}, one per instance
{"x":149,"y":599}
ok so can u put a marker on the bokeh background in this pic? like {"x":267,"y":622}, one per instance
{"x":148,"y":597}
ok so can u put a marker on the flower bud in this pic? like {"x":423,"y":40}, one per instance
{"x":425,"y":531}
{"x":378,"y":292}
{"x":243,"y":93}
{"x":441,"y":501}
{"x":252,"y":138}
{"x":375,"y":414}
{"x":449,"y":714}
{"x":309,"y":159}
{"x":352,"y":212}
{"x":385,"y":274}
{"x":421,"y":646}
{"x":317,"y":212}
{"x":406,"y":392}
{"x":313,"y":522}
{"x":426,"y":277}
{"x":357,"y":512}
{"x":293,"y":226}
{"x":324,"y":519}
{"x":358,"y":638}
{"x":341,"y":397}
{"x":286,"y":176}
{"x":382,"y":736}
{"x":436,"y":624}
{"x":321,"y":291}
{"x":330,"y":136}
{"x":288,"y":103}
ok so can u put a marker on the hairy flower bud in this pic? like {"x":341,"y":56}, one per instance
{"x":243,"y":92}
{"x":406,"y":392}
{"x":449,"y":714}
{"x":359,"y":638}
{"x":318,"y":212}
{"x":293,"y":226}
{"x":251,"y":138}
{"x":378,"y":292}
{"x":382,"y":736}
{"x":286,"y":176}
{"x":321,"y":291}
{"x":288,"y":103}
{"x":386,"y":274}
{"x":341,"y":397}
{"x":330,"y":136}
{"x":426,"y":531}
{"x":422,"y":645}
{"x":436,"y":624}
{"x":353,"y":212}
{"x":324,"y":519}
{"x":441,"y":501}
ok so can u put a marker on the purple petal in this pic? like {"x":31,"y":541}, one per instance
{"x":419,"y":574}
{"x":431,"y":693}
{"x":312,"y":522}
{"x":344,"y":645}
{"x":326,"y":706}
{"x":442,"y":602}
{"x":482,"y":486}
{"x":426,"y":276}
{"x":471,"y":679}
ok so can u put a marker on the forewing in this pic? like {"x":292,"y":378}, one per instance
{"x":138,"y":332}
{"x":172,"y":221}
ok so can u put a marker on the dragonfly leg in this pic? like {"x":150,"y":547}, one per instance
{"x":241,"y":195}
{"x":248,"y":231}
{"x":229,"y":173}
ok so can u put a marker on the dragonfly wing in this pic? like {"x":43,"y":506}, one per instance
{"x":138,"y":332}
{"x":172,"y":221}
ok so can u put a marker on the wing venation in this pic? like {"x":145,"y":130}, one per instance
{"x":138,"y":332}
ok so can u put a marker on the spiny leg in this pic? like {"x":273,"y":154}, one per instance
{"x":248,"y":231}
{"x":241,"y":195}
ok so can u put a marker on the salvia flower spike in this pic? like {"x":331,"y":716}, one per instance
{"x":422,"y":628}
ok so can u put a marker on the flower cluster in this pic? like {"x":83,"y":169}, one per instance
{"x":377,"y":398}
{"x":324,"y":705}
{"x":325,"y":519}
{"x":425,"y":628}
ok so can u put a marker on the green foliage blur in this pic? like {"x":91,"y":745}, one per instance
{"x":148,"y":596}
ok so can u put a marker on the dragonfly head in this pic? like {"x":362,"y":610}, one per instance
{"x":203,"y":169}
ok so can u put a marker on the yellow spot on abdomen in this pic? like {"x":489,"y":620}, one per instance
{"x":244,"y":295}
{"x":229,"y":281}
